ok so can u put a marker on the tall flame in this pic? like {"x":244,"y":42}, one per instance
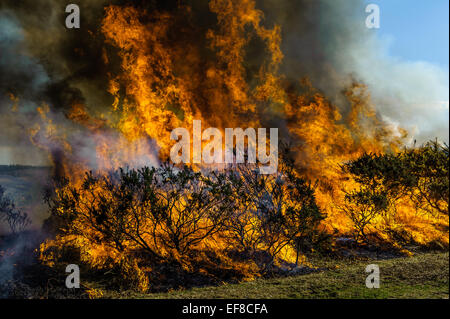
{"x":172,"y":74}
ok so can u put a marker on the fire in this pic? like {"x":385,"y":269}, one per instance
{"x":172,"y":74}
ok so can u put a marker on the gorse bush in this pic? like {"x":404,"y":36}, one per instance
{"x":178,"y":216}
{"x":152,"y":224}
{"x":272,"y":212}
{"x":415,"y":177}
{"x":164,"y":211}
{"x":16,"y":219}
{"x":429,"y":167}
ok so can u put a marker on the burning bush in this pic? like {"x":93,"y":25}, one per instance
{"x":164,"y":211}
{"x":416,"y":178}
{"x":162,"y":67}
{"x":273,"y":212}
{"x":237,"y":220}
{"x":175,"y":222}
{"x":429,"y":167}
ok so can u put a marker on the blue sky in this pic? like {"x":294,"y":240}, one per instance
{"x":419,"y":29}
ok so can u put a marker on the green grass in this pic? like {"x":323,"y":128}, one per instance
{"x":422,"y":276}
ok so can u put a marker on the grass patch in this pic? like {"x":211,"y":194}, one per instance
{"x":424,"y":275}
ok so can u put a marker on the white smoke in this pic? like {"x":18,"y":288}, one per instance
{"x":413,"y":94}
{"x":328,"y":41}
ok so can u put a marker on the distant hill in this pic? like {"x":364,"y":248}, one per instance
{"x":20,"y":169}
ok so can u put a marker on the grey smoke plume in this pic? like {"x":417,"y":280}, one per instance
{"x":19,"y":74}
{"x":38,"y":64}
{"x":325,"y":40}
{"x":328,"y":41}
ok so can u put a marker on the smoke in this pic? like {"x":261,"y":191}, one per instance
{"x":19,"y":74}
{"x":404,"y":92}
{"x":55,"y":100}
{"x":17,"y":253}
{"x":327,"y":40}
{"x":41,"y":61}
